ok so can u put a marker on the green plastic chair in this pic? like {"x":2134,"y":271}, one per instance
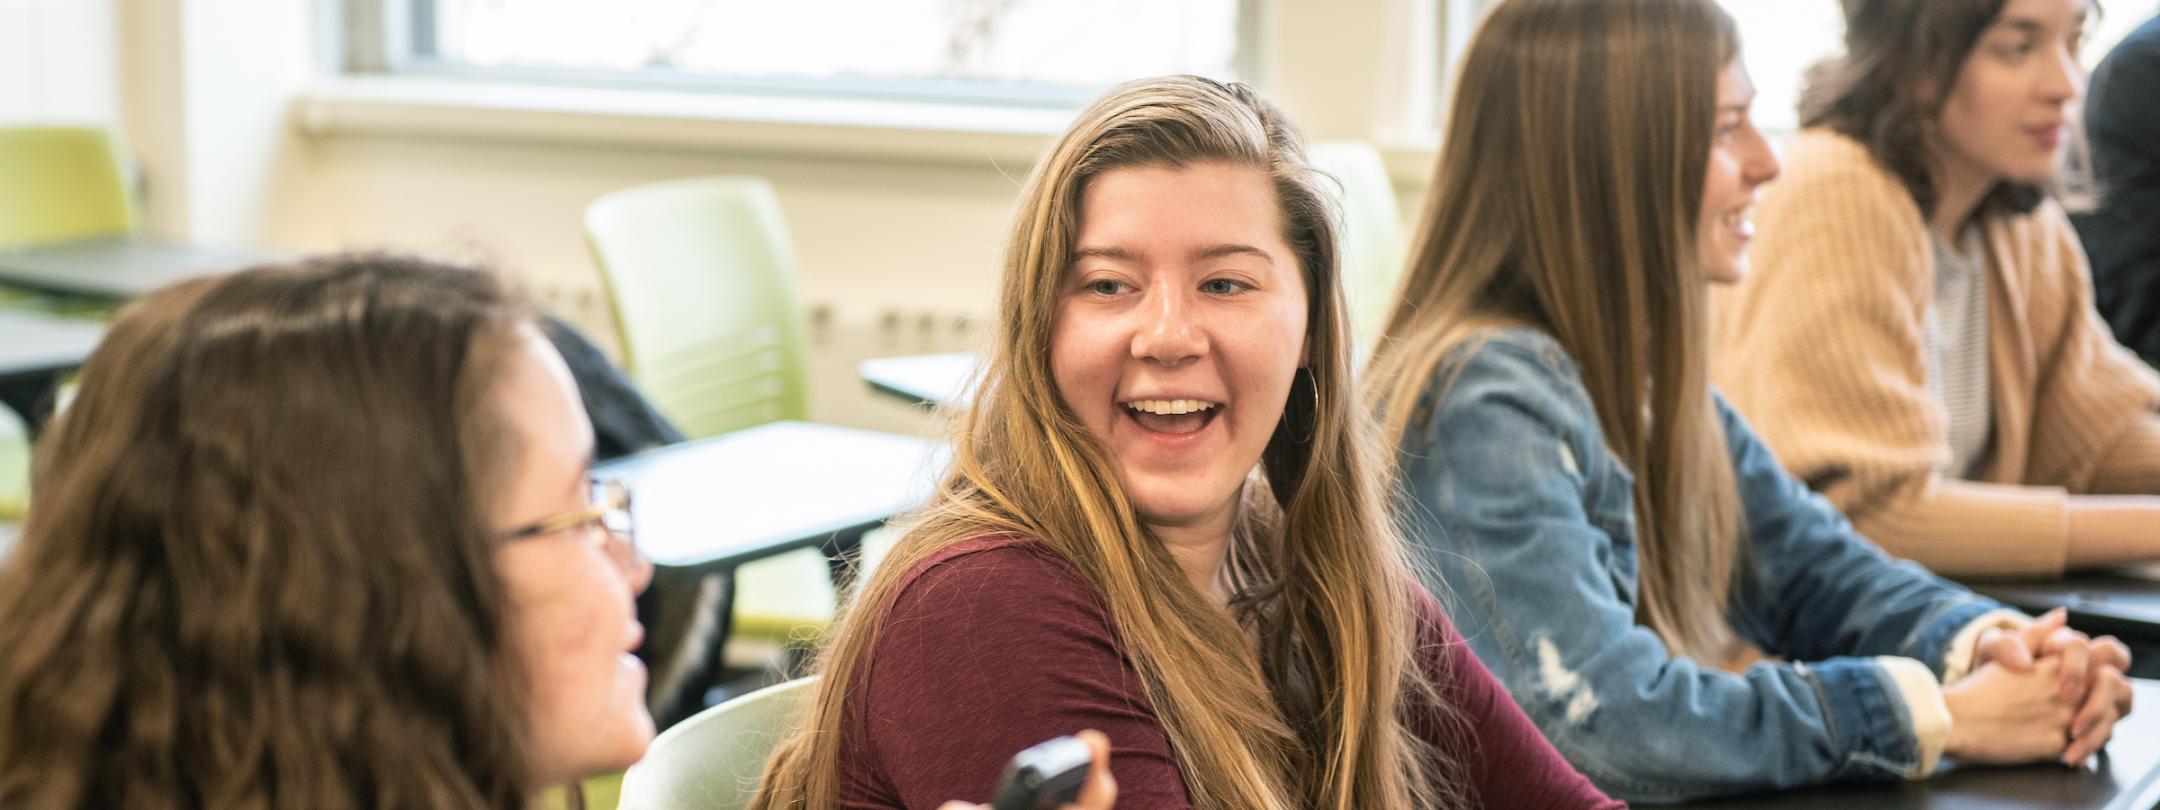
{"x":60,"y":184}
{"x":702,"y":279}
{"x":701,"y":276}
{"x":1372,"y":238}
{"x":599,"y":793}
{"x":712,"y":761}
{"x":57,"y":184}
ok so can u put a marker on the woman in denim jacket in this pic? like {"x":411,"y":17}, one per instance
{"x":1679,"y":616}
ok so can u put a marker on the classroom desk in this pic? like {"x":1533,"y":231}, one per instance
{"x":704,"y":508}
{"x":35,"y":350}
{"x":118,"y":268}
{"x":714,"y":504}
{"x":924,"y":379}
{"x":2123,"y":602}
{"x":2127,"y":777}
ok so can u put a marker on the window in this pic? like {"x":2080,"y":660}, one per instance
{"x":1036,"y":52}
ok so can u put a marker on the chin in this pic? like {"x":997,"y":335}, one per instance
{"x":1726,"y":272}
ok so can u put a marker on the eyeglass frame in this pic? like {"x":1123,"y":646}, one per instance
{"x":610,"y":510}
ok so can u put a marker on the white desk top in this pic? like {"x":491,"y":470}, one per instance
{"x":756,"y":492}
{"x":37,"y":343}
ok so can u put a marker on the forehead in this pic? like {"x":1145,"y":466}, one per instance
{"x":2024,"y":13}
{"x":1164,"y":204}
{"x":1734,"y":86}
{"x":540,"y":402}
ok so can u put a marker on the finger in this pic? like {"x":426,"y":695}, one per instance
{"x":2036,"y":634}
{"x":2000,"y":647}
{"x":960,"y":806}
{"x":2110,"y":651}
{"x":2095,"y":722}
{"x":2076,"y":653}
{"x":1101,"y":789}
{"x":2045,"y":624}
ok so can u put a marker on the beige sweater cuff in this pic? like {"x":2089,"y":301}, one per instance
{"x":1924,"y":701}
{"x":1957,"y":663}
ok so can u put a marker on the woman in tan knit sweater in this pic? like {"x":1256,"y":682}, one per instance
{"x":1918,"y":341}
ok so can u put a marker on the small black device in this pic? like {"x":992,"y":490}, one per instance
{"x":1046,"y":776}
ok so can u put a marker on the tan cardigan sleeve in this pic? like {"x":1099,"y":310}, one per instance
{"x":1822,"y":348}
{"x":2095,"y":425}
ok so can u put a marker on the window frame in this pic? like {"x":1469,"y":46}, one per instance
{"x":394,"y":38}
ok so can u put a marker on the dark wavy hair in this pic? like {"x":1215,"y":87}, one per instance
{"x":1888,"y":89}
{"x":259,"y":572}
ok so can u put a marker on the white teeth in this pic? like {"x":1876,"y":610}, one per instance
{"x":1742,"y":220}
{"x":1169,"y":406}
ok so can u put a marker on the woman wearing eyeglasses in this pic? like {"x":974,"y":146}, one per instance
{"x":320,"y":536}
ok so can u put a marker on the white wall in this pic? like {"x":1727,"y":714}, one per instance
{"x":210,"y":85}
{"x":57,"y":62}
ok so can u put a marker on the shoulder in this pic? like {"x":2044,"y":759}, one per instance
{"x":1835,"y":226}
{"x":1822,"y":160}
{"x":994,"y":575}
{"x":1521,"y":366}
{"x":1501,"y":389}
{"x":1829,"y":175}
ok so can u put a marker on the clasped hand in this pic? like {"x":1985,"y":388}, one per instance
{"x":2043,"y":692}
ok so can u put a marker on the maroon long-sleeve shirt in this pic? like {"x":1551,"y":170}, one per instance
{"x":996,"y":644}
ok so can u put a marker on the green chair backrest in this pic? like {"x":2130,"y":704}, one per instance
{"x":1372,"y":234}
{"x":59,"y":184}
{"x":712,"y":760}
{"x":702,"y":278}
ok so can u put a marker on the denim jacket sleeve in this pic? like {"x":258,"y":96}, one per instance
{"x":1530,"y":523}
{"x":1818,"y":589}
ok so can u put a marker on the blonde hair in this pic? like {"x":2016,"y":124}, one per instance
{"x":1566,"y":198}
{"x":1313,"y":714}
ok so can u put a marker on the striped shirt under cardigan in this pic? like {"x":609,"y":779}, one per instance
{"x":1823,"y":348}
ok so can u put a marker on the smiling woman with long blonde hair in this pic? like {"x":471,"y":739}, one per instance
{"x":1159,"y":520}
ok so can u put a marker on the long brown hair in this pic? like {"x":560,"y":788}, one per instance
{"x":1887,"y":91}
{"x":1566,"y":199}
{"x":1317,"y":719}
{"x":253,"y":578}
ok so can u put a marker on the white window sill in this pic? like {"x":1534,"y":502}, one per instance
{"x":908,"y":131}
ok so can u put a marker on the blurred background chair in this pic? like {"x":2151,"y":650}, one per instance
{"x":712,"y":761}
{"x":57,"y":184}
{"x":700,"y":273}
{"x":1372,"y":239}
{"x":60,"y":184}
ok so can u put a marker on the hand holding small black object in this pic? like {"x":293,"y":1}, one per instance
{"x":1047,"y":776}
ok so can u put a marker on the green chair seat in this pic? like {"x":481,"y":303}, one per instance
{"x":601,"y":793}
{"x":787,"y":598}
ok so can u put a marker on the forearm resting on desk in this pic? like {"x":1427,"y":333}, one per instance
{"x":2113,"y":530}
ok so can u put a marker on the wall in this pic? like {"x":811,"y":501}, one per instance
{"x":57,"y":62}
{"x":893,"y":250}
